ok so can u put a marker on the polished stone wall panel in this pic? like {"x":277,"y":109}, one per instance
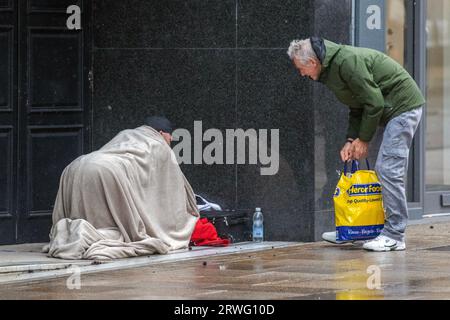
{"x":183,"y":85}
{"x":332,"y":21}
{"x":225,"y":63}
{"x":164,"y":24}
{"x":273,"y":23}
{"x":271,"y":95}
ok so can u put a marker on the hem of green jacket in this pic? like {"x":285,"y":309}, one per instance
{"x":367,"y":138}
{"x":396,"y":114}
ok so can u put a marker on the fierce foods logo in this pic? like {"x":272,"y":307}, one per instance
{"x":364,"y":189}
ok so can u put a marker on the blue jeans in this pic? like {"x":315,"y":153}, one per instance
{"x":391,"y":168}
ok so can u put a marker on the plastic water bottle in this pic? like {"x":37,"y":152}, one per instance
{"x":258,"y":226}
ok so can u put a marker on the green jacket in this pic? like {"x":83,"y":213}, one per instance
{"x":375,"y":87}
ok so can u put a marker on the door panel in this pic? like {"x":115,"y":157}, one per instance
{"x":6,"y":71}
{"x":7,"y":214}
{"x":8,"y":120}
{"x":43,"y":128}
{"x":54,"y":80}
{"x":51,"y":5}
{"x":44,"y":168}
{"x":6,"y":5}
{"x":55,"y":70}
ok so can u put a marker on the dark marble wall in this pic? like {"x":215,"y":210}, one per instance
{"x":224,"y":62}
{"x":332,"y":20}
{"x":270,"y":94}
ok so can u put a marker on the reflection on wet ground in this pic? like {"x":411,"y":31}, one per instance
{"x":308,"y":271}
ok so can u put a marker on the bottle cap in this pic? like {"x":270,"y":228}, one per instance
{"x":258,"y":209}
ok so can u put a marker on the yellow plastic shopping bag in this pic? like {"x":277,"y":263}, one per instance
{"x":358,"y":205}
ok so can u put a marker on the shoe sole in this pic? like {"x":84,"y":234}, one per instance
{"x":386,"y":249}
{"x":338,"y":242}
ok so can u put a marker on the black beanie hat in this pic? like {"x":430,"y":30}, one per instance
{"x":159,"y":123}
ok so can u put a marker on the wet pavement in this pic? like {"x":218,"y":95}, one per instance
{"x":304,"y":271}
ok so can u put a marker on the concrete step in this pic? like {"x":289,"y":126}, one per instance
{"x":19,"y":269}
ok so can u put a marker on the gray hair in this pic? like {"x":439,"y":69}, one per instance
{"x":301,"y":50}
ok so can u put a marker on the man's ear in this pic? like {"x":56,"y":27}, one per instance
{"x":313,"y":62}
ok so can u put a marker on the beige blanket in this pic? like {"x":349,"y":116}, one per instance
{"x":127,"y":199}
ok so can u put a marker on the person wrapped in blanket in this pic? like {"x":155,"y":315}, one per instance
{"x":129,"y":198}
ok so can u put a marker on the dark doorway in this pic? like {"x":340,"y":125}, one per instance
{"x":44,"y":110}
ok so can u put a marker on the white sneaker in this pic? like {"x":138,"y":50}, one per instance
{"x":331,"y":237}
{"x":383,"y":243}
